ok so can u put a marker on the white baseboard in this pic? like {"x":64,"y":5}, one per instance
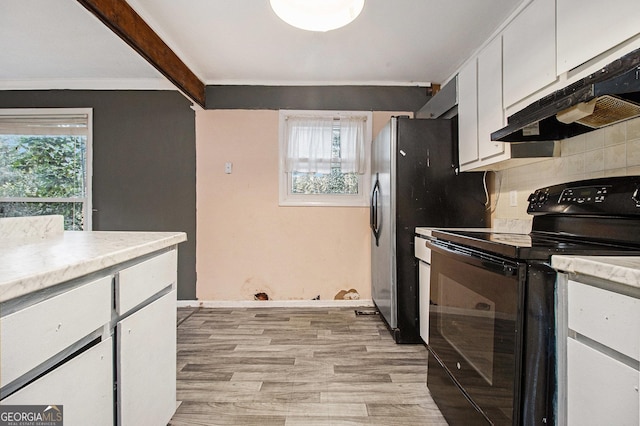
{"x":274,"y":303}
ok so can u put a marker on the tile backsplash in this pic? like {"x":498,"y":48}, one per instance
{"x":610,"y":151}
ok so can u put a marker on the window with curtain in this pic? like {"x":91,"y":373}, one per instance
{"x":324,"y":158}
{"x":45,"y":164}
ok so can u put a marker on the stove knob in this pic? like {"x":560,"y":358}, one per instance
{"x":636,"y":196}
{"x":542,"y":197}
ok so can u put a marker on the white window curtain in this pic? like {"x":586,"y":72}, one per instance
{"x":352,"y":151}
{"x":309,"y":142}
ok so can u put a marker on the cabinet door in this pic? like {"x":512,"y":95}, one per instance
{"x":589,"y":28}
{"x":424,"y":288}
{"x":468,"y":113}
{"x":490,"y":111}
{"x":147,"y":364}
{"x":83,"y":387}
{"x":529,"y":57}
{"x":600,"y":390}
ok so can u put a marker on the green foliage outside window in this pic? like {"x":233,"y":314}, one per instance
{"x":335,"y":182}
{"x":43,"y":167}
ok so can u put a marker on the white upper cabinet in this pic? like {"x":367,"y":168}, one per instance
{"x":529,"y":45}
{"x":480,"y":110}
{"x":589,"y":28}
{"x":468,"y":113}
{"x":528,"y":59}
{"x":490,"y":110}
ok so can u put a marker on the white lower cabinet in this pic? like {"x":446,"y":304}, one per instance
{"x":602,"y":355}
{"x":424,"y":288}
{"x":146,"y":364}
{"x":600,"y":390}
{"x":32,"y":335}
{"x":83,"y":386}
{"x":137,"y":283}
{"x":47,"y":357}
{"x":423,"y":254}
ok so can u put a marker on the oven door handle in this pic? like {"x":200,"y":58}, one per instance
{"x":485,"y":261}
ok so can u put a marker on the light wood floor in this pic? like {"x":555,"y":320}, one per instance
{"x":297,"y":366}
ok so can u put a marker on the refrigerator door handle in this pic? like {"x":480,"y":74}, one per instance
{"x":373,"y":220}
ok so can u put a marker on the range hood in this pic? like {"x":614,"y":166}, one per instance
{"x":608,"y":96}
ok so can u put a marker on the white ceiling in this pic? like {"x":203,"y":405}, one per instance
{"x":58,"y":44}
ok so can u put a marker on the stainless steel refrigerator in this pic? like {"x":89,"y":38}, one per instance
{"x":414,"y":183}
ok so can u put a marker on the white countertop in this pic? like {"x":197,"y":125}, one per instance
{"x":427,"y":231}
{"x":513,"y":226}
{"x":34,"y":263}
{"x":618,"y":269}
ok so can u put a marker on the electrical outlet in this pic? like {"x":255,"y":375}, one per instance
{"x":227,"y":167}
{"x":513,"y":198}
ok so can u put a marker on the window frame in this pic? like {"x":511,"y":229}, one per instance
{"x":287,"y":198}
{"x":87,"y":199}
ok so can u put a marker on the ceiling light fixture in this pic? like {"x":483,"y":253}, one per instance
{"x":317,"y":15}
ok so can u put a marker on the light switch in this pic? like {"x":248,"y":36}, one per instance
{"x":227,"y":167}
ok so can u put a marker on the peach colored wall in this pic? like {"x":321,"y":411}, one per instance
{"x":249,"y":244}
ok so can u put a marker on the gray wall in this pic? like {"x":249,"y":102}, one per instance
{"x":144,"y":162}
{"x":360,"y":98}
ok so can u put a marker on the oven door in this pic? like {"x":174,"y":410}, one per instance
{"x":474,"y":338}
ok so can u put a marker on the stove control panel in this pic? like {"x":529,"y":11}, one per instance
{"x":589,"y":194}
{"x":604,"y":196}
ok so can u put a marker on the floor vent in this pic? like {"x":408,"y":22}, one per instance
{"x":373,"y":312}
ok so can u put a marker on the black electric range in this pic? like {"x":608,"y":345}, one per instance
{"x":536,"y":247}
{"x":590,"y":217}
{"x":492,"y":300}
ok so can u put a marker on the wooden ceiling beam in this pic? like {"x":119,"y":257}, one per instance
{"x":130,"y":27}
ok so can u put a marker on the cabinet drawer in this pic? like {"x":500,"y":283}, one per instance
{"x":607,"y":317}
{"x":600,"y":389}
{"x":83,"y":387}
{"x":422,"y":252}
{"x":34,"y":334}
{"x":139,"y":282}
